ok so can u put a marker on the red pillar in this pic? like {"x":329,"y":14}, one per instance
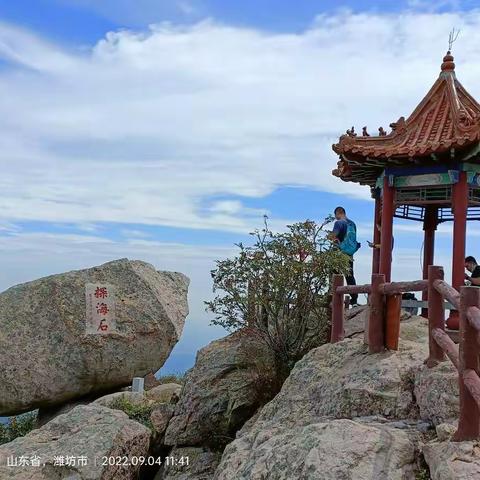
{"x":429,"y":226}
{"x":337,"y":310}
{"x":387,"y":230}
{"x":436,"y":316}
{"x":469,"y":419}
{"x":376,"y":324}
{"x":460,"y":206}
{"x":376,"y":234}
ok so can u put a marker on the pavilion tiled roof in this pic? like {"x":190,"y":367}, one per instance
{"x":448,"y":117}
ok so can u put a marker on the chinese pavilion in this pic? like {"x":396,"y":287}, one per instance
{"x":427,"y":169}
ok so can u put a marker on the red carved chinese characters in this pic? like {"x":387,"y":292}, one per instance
{"x":102,"y":308}
{"x":101,"y":292}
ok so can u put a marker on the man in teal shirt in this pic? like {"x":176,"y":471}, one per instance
{"x":339,"y":232}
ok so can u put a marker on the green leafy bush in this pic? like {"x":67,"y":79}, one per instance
{"x":279,"y":286}
{"x":138,"y":412}
{"x":172,"y":378}
{"x":18,"y":426}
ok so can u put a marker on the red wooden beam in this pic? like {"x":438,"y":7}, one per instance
{"x":376,"y":342}
{"x":401,"y":287}
{"x":473,"y":315}
{"x":446,"y":344}
{"x":436,"y":317}
{"x":337,"y":309}
{"x":392,"y":321}
{"x":429,"y":226}
{"x":376,"y":234}
{"x":387,"y":230}
{"x":472,"y":382}
{"x":460,"y":208}
{"x":469,"y":421}
{"x":448,"y":292}
{"x":348,"y":289}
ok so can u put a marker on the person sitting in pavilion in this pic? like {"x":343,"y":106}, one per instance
{"x":472,"y":266}
{"x":344,"y":233}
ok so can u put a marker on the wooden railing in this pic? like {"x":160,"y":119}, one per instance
{"x":385,"y":304}
{"x":465,"y":356}
{"x":384,"y":326}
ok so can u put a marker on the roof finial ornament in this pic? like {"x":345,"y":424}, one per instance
{"x":448,"y":65}
{"x":452,"y":37}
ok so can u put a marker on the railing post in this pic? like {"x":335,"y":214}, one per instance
{"x":376,"y":338}
{"x":337,"y":310}
{"x":393,"y":308}
{"x":469,"y":420}
{"x":436,"y":316}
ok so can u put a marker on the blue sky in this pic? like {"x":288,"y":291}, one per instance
{"x":164,"y":130}
{"x":77,"y":21}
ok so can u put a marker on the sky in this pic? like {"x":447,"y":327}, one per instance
{"x":164,"y":130}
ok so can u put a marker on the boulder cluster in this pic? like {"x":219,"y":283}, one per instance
{"x":341,"y":413}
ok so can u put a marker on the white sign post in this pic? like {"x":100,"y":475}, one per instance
{"x":100,"y":314}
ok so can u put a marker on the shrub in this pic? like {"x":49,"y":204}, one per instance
{"x":172,"y":378}
{"x":18,"y":426}
{"x":280,"y":287}
{"x":138,"y":412}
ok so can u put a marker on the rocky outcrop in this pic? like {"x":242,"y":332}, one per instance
{"x":453,"y":460}
{"x":304,"y":432}
{"x":231,"y":378}
{"x":341,"y":380}
{"x":46,"y":321}
{"x":356,"y":319}
{"x":91,"y":432}
{"x":190,"y":463}
{"x":163,"y":393}
{"x":159,"y":418}
{"x":112,"y":400}
{"x":166,"y":392}
{"x":154,"y":405}
{"x":326,"y":450}
{"x":436,"y":393}
{"x":445,"y":431}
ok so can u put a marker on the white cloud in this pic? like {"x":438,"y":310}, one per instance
{"x":146,"y":126}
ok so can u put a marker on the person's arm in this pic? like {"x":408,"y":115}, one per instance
{"x":475,"y":281}
{"x":475,"y":277}
{"x":333,"y":235}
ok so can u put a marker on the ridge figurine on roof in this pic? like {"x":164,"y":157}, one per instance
{"x":427,"y":168}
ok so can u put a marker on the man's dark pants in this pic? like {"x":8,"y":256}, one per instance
{"x":350,"y":278}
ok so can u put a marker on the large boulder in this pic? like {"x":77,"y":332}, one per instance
{"x":190,"y":463}
{"x":166,"y":392}
{"x":326,"y":450}
{"x":92,"y":432}
{"x":231,"y":378}
{"x":303,"y":431}
{"x":436,"y":393}
{"x":341,"y":380}
{"x":453,"y":460}
{"x":356,"y":320}
{"x":46,"y":355}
